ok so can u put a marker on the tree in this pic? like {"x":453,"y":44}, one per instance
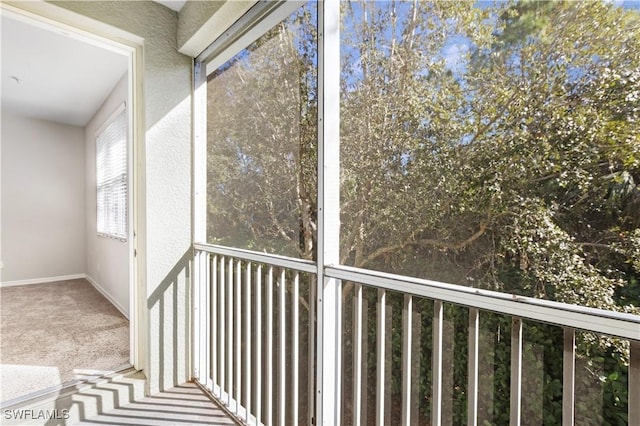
{"x":464,"y":167}
{"x":261,"y":180}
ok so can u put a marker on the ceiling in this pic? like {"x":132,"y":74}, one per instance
{"x":50,"y":74}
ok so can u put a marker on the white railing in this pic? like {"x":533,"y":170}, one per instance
{"x":247,"y":333}
{"x":255,"y":325}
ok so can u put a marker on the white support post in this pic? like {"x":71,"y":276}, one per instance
{"x":329,"y":295}
{"x":568,"y":377}
{"x":199,"y":146}
{"x":473,"y":390}
{"x":436,"y":356}
{"x":516,"y":371}
{"x":199,"y":207}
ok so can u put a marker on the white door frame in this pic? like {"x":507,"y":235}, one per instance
{"x":111,"y":38}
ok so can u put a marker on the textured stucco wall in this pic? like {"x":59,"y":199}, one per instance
{"x":193,"y":15}
{"x":107,"y":259}
{"x":42,"y":191}
{"x":201,"y":22}
{"x":167,"y":103}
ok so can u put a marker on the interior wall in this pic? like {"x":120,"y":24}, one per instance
{"x":43,"y":200}
{"x":166,"y":182}
{"x":107,"y":259}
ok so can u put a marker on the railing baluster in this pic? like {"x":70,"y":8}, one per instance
{"x":568,"y":377}
{"x":247,"y":341}
{"x":474,"y":336}
{"x":197,"y":326}
{"x":282,"y":355}
{"x":516,"y":371}
{"x":214,"y":324}
{"x":436,"y":399}
{"x":634,"y":383}
{"x":197,"y":318}
{"x":295,"y":345}
{"x":407,"y":315}
{"x":269,"y":364}
{"x":416,"y":367}
{"x":382,"y":304}
{"x":357,"y":356}
{"x":364,"y":400}
{"x":205,"y":341}
{"x":238,"y":335}
{"x":311,"y":356}
{"x":258,"y":381}
{"x":230,"y":332}
{"x":223,"y":326}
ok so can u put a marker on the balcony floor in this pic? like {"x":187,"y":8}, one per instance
{"x":182,"y":405}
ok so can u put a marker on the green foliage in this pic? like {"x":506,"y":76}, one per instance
{"x":262,"y":137}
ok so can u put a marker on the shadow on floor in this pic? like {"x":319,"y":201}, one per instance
{"x":181,"y":405}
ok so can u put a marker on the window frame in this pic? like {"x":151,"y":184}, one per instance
{"x":239,"y":35}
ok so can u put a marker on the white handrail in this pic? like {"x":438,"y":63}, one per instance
{"x":612,"y":323}
{"x":618,"y":324}
{"x":254,"y":256}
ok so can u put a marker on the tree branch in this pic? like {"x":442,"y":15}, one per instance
{"x":424,"y":242}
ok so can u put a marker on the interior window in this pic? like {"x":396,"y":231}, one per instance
{"x":111,"y":177}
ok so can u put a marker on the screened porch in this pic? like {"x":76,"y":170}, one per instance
{"x":420,"y":213}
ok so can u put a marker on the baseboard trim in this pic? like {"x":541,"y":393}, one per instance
{"x":106,"y":294}
{"x":42,"y":280}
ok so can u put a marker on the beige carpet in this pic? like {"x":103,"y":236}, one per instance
{"x":57,"y":332}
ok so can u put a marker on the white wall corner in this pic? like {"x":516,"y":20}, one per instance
{"x":194,"y":35}
{"x":104,"y":292}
